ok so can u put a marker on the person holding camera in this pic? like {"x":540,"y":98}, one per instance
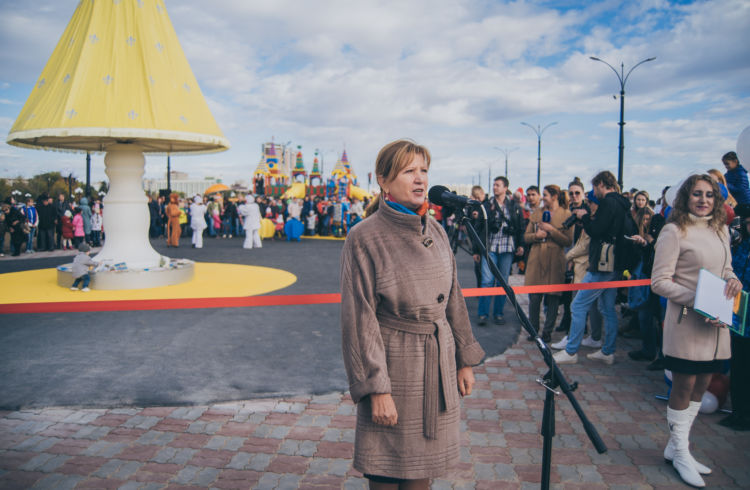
{"x":605,"y":264}
{"x":547,"y":238}
{"x":503,"y":239}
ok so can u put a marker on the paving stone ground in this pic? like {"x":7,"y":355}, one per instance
{"x":307,"y":441}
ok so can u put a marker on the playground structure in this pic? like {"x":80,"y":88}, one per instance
{"x":272,"y":177}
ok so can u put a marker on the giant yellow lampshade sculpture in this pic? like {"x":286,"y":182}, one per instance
{"x":118,"y":82}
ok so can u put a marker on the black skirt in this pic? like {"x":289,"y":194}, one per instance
{"x":686,"y":366}
{"x":384,"y":479}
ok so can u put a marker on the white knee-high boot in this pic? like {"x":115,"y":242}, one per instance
{"x":679,"y":430}
{"x":692,"y":409}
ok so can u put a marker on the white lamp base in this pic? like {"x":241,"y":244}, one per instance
{"x":125,"y":213}
{"x":126,"y":221}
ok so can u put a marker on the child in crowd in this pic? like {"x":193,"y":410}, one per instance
{"x":67,"y":230}
{"x":96,"y":227}
{"x":312,"y":223}
{"x":78,"y":234}
{"x":279,"y":223}
{"x":81,"y":265}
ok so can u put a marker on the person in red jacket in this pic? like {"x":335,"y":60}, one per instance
{"x":67,"y":230}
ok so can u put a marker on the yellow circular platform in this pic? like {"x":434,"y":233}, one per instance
{"x":212,"y":280}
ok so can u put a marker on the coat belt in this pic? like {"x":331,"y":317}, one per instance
{"x":434,"y":369}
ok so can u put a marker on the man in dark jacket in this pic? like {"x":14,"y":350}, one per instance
{"x":61,"y":205}
{"x":14,"y":221}
{"x":737,"y":181}
{"x":604,"y":228}
{"x":47,"y":220}
{"x":153,"y":214}
{"x":503,"y":237}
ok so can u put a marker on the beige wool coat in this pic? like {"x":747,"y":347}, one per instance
{"x":405,"y":331}
{"x":679,"y":257}
{"x":579,"y":255}
{"x":547,"y":264}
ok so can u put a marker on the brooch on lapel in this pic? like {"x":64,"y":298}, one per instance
{"x":428,"y":242}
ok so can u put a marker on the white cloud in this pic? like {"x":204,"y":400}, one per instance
{"x":458,"y":76}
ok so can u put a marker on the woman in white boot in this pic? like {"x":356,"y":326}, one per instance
{"x":695,"y":237}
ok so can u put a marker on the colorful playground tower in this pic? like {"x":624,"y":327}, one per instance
{"x":299,"y":174}
{"x":342,"y":178}
{"x":316,"y":178}
{"x":270,"y":178}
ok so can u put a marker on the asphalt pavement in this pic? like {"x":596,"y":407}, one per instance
{"x":193,"y":356}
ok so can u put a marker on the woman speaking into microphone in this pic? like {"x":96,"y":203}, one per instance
{"x":407,"y":342}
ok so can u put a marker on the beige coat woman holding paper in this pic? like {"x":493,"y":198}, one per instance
{"x":696,"y":237}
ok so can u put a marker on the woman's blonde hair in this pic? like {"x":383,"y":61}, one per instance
{"x":680,"y":214}
{"x":392,"y":159}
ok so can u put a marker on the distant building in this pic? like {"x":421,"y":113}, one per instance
{"x":180,"y":183}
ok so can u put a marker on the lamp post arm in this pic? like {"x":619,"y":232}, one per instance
{"x":536,"y":130}
{"x":618,"y":75}
{"x":636,"y":66}
{"x":545,"y":128}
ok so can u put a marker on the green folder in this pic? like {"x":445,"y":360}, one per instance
{"x":739,"y":313}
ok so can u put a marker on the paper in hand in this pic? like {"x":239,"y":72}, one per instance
{"x":710,"y":300}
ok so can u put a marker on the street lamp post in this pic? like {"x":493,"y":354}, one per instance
{"x":88,"y":174}
{"x":539,"y":131}
{"x":507,"y":152}
{"x":169,"y":174}
{"x":623,"y":78}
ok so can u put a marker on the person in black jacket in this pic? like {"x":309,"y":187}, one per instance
{"x":47,"y":219}
{"x":61,"y":205}
{"x":604,"y":228}
{"x":503,"y":236}
{"x":14,"y":221}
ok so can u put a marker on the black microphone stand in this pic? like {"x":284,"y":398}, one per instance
{"x":552,"y":380}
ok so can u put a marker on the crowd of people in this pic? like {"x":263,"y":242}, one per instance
{"x":59,"y":224}
{"x":606,"y":235}
{"x":48,"y":224}
{"x":217,"y":216}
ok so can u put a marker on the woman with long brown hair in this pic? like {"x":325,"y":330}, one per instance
{"x":695,"y":238}
{"x":547,"y":237}
{"x":407,"y":341}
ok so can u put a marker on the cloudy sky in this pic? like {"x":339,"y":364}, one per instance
{"x":456,"y":76}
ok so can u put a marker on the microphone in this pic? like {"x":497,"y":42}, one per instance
{"x":442,"y":196}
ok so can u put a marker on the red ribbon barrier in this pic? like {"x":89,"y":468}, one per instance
{"x":275,"y":300}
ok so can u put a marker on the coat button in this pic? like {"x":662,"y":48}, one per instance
{"x":440,"y":298}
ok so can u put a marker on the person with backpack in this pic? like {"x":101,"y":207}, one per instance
{"x":609,"y":256}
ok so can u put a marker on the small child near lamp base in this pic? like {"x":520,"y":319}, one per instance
{"x":81,"y":264}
